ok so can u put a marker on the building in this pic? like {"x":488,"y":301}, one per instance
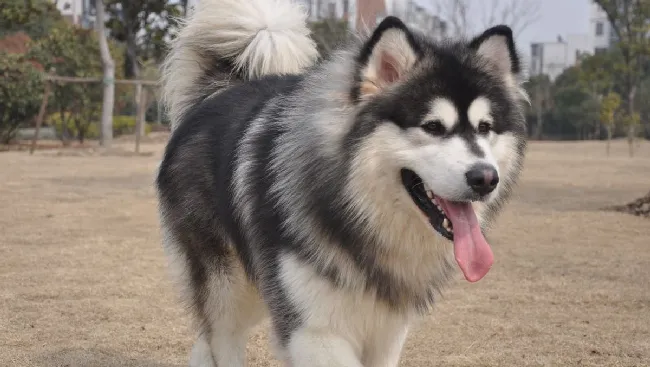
{"x":552,"y":58}
{"x":78,"y":12}
{"x":366,"y":14}
{"x":601,"y":31}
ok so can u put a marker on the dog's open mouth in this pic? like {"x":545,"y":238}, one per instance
{"x":455,"y":221}
{"x":429,"y":203}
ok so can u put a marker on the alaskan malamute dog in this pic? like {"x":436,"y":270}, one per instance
{"x":332,"y":196}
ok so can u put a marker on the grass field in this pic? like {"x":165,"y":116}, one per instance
{"x":83,"y":279}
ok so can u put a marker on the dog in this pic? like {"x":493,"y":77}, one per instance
{"x":336,"y":196}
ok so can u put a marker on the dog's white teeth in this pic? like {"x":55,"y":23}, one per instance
{"x":447,"y":225}
{"x":430,"y":194}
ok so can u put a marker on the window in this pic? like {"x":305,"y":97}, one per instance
{"x":600,"y":29}
{"x":331,"y":10}
{"x":535,"y":50}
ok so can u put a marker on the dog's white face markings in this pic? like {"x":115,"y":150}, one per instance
{"x":441,"y":163}
{"x":444,"y":111}
{"x":480,"y":111}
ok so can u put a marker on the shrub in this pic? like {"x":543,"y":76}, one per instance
{"x":122,"y":125}
{"x":21,"y":91}
{"x":71,"y":126}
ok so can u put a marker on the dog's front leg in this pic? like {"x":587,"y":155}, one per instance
{"x":386,"y":346}
{"x":321,"y":348}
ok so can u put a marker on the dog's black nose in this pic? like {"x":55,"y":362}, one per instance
{"x":482,"y":178}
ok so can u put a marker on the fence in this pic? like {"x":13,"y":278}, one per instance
{"x":141,"y":104}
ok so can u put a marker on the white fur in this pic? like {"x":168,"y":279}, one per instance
{"x":496,"y":50}
{"x":444,"y":110}
{"x":391,"y":55}
{"x":375,"y":177}
{"x":340,"y":328}
{"x":479,"y":110}
{"x":261,"y":37}
{"x":233,"y":307}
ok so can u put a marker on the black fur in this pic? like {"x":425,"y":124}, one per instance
{"x":504,"y":31}
{"x":198,"y":167}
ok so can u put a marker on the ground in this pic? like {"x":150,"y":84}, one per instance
{"x":83,"y":279}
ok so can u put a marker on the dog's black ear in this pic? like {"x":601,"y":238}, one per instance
{"x":498,"y":46}
{"x":385,"y":58}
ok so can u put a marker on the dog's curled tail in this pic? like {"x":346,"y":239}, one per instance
{"x":240,"y":39}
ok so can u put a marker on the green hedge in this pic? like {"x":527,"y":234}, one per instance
{"x":122,"y":125}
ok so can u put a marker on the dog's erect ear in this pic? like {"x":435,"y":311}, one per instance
{"x":497,"y":45}
{"x":385,"y":59}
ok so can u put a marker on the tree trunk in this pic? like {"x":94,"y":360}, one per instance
{"x":631,"y":127}
{"x":108,"y":65}
{"x":140,"y":109}
{"x":41,"y":116}
{"x":609,"y":137}
{"x":539,"y":127}
{"x":140,"y":119}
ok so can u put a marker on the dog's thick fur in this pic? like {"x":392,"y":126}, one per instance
{"x":280,"y":190}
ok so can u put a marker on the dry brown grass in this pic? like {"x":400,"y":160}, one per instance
{"x":83,"y":280}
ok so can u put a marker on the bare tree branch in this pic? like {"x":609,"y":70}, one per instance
{"x":456,"y":13}
{"x":517,"y":14}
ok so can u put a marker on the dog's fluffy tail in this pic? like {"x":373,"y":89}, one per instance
{"x":225,"y":39}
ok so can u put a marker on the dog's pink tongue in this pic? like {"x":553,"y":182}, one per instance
{"x":473,"y":253}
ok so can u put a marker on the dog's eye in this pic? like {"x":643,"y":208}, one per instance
{"x":434,"y":127}
{"x":484,"y":127}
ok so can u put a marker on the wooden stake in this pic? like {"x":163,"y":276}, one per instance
{"x":41,"y":116}
{"x":140,"y":119}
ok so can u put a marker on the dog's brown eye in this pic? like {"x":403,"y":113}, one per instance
{"x":484,"y":127}
{"x":434,"y":127}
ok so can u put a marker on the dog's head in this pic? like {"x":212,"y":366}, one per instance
{"x":447,"y":120}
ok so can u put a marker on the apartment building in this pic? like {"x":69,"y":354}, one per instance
{"x":78,"y":12}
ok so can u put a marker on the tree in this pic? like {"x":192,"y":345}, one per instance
{"x":74,"y":52}
{"x":456,"y":13}
{"x":596,"y":74}
{"x":630,"y":20}
{"x":328,"y":33}
{"x":574,"y":107}
{"x":539,"y":88}
{"x":631,"y":121}
{"x":184,"y":6}
{"x":144,"y":26}
{"x":608,"y":109}
{"x":21,"y":89}
{"x":518,"y":14}
{"x":35,"y":17}
{"x":108,"y":66}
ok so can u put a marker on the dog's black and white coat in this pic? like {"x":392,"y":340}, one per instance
{"x":331,"y":196}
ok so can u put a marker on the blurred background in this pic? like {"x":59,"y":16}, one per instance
{"x":586,"y":61}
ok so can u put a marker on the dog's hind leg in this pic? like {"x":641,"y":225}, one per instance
{"x":232,"y":308}
{"x":226,"y":305}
